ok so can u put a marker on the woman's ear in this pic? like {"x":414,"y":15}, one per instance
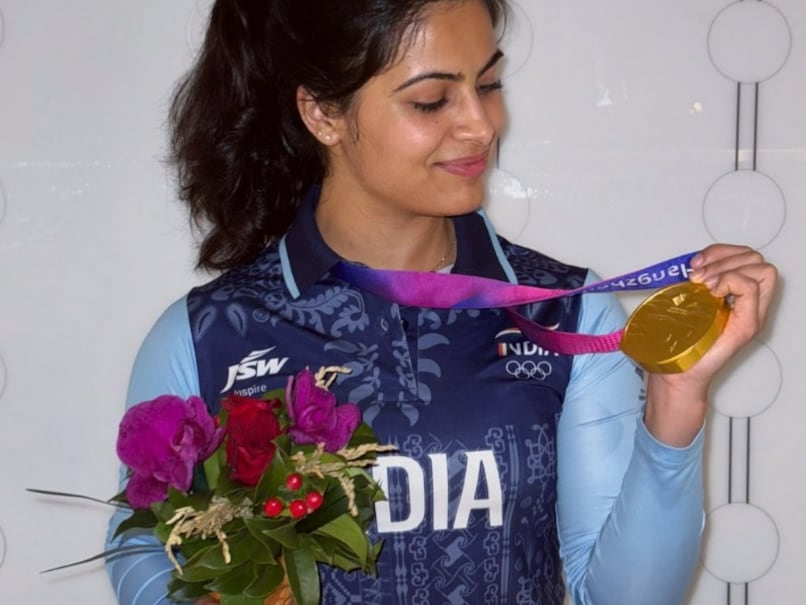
{"x":323,"y":126}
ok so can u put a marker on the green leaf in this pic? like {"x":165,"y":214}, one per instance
{"x":268,"y":578}
{"x":179,"y":499}
{"x":348,"y":532}
{"x":320,"y":484}
{"x":273,"y":479}
{"x":181,"y":590}
{"x":333,"y":552}
{"x":241,"y":545}
{"x":375,"y":552}
{"x":162,"y":531}
{"x":261,"y":524}
{"x":191,"y":547}
{"x":139,"y":519}
{"x":241,"y":542}
{"x":239,"y":599}
{"x":264,"y":550}
{"x":120,"y":497}
{"x":234,"y":581}
{"x":199,"y":483}
{"x":284,"y":446}
{"x":269,"y":549}
{"x":193,"y":571}
{"x":163,"y":511}
{"x":229,"y":488}
{"x":285,"y":534}
{"x":303,"y":576}
{"x":323,"y":549}
{"x":334,"y":504}
{"x":363,"y":434}
{"x":212,"y":470}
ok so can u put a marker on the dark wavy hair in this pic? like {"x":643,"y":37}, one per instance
{"x":243,"y":156}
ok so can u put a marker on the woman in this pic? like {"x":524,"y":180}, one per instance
{"x":314,"y":131}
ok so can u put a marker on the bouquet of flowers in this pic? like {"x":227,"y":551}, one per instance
{"x":247,"y":503}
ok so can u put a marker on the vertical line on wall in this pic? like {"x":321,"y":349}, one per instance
{"x":755,"y":128}
{"x":747,"y":461}
{"x":730,"y":461}
{"x":747,"y":466}
{"x":747,"y":438}
{"x":738,"y":123}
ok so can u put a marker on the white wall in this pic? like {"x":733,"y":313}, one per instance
{"x":623,"y":151}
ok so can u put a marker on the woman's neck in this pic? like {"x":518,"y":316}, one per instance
{"x":386,"y":240}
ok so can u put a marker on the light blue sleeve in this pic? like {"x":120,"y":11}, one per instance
{"x":629,"y":508}
{"x":166,"y":363}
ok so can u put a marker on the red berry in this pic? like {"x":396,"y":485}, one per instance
{"x":293,"y":481}
{"x":298,"y":509}
{"x":313,"y":500}
{"x":272,"y":507}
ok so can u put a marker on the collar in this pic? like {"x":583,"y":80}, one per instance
{"x":306,"y":258}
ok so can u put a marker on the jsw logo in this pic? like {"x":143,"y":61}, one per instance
{"x":252,"y":366}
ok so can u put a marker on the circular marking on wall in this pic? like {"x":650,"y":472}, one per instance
{"x":508,"y":205}
{"x":744,"y":206}
{"x":749,"y":41}
{"x":197,"y":24}
{"x":518,"y":40}
{"x":753,"y":389}
{"x":741,"y":543}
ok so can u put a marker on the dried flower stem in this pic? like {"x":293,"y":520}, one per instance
{"x":354,"y":457}
{"x":325,"y":376}
{"x":353,"y":454}
{"x":188,"y":522}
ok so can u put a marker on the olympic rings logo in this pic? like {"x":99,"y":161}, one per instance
{"x":529,"y":370}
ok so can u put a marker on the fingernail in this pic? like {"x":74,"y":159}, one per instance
{"x":696,"y":275}
{"x":710,"y":282}
{"x":697,"y":260}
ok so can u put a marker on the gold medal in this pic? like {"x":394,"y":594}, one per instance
{"x":672,"y":329}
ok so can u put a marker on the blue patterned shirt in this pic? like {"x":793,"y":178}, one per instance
{"x":508,"y":455}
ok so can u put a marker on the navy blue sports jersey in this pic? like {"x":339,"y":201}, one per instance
{"x":470,"y":404}
{"x":510,"y":457}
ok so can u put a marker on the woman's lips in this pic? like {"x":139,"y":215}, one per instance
{"x":469,"y":167}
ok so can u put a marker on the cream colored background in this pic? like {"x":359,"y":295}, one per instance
{"x":624,"y":129}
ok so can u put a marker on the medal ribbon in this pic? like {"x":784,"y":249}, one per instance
{"x":456,"y":291}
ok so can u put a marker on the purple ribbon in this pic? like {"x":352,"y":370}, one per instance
{"x":456,"y":291}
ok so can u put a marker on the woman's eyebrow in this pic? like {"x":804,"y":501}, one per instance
{"x":451,"y":77}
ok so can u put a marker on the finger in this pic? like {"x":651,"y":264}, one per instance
{"x":750,"y":283}
{"x":715,"y":252}
{"x":743,"y":324}
{"x":719,"y":258}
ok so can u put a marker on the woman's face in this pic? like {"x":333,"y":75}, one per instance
{"x":420,"y":136}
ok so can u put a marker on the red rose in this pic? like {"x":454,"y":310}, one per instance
{"x":251,"y":427}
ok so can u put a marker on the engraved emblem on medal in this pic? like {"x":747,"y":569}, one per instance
{"x":672,"y":329}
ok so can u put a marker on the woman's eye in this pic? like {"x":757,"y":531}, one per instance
{"x":491,"y":87}
{"x":430,"y":107}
